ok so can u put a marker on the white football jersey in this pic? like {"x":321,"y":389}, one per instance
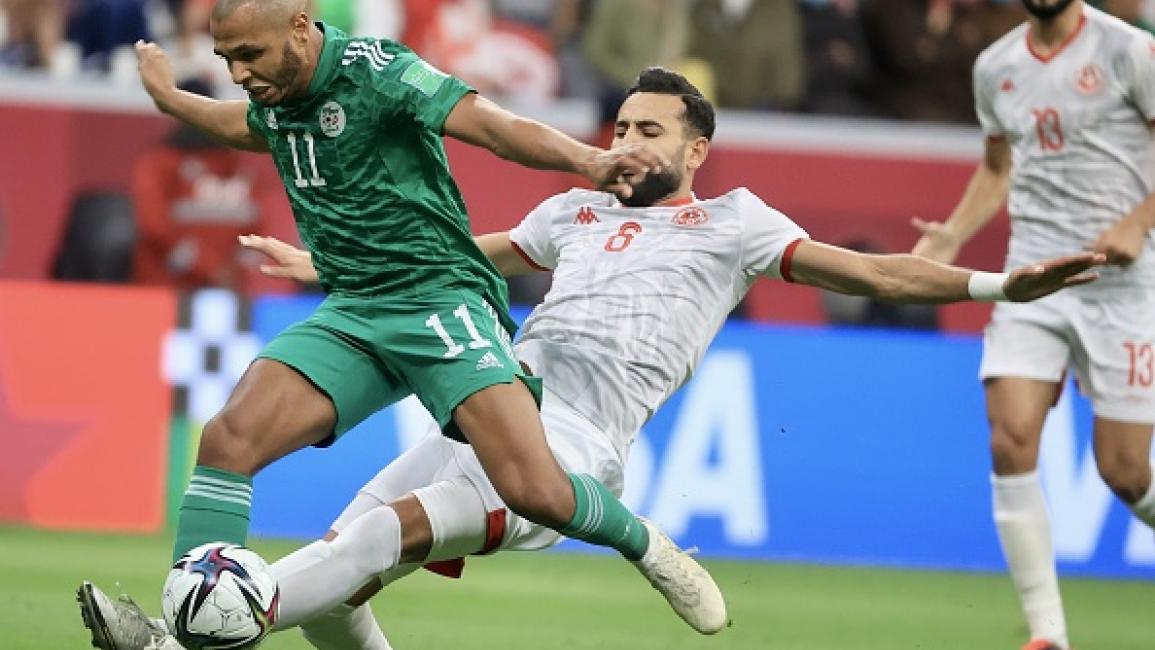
{"x":638,"y":294}
{"x":1079,"y":126}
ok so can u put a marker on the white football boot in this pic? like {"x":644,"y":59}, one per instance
{"x":120,"y":624}
{"x":686,"y":585}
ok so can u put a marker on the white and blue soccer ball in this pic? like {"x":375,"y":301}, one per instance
{"x":220,"y":596}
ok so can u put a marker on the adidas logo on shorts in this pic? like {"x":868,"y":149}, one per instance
{"x":487,"y":361}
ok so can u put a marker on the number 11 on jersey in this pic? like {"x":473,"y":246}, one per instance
{"x":311,"y":149}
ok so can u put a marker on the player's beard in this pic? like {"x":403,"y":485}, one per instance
{"x":1046,"y":12}
{"x":284,"y":79}
{"x":653,"y":188}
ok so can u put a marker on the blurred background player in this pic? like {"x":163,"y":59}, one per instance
{"x":643,"y":284}
{"x":1066,"y":101}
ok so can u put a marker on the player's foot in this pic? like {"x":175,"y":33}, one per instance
{"x":120,"y":624}
{"x":1043,"y":644}
{"x":686,"y":585}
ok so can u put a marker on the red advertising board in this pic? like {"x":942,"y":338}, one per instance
{"x":84,"y":410}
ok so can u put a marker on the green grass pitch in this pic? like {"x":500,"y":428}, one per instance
{"x":575,"y":602}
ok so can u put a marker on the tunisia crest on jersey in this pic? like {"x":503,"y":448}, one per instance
{"x":691,"y":216}
{"x":1089,"y":79}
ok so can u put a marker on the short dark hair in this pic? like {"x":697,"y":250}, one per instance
{"x":699,"y":114}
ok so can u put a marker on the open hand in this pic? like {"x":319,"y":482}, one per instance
{"x":936,"y":243}
{"x":617,"y":170}
{"x":1042,"y":279}
{"x":288,"y":261}
{"x":1122,"y":242}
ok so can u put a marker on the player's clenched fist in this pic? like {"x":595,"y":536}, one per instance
{"x":155,"y":71}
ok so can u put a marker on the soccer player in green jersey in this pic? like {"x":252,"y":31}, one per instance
{"x":354,"y":126}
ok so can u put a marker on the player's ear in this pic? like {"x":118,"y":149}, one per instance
{"x":696,"y":152}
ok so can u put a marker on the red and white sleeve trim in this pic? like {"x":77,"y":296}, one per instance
{"x":525,"y":256}
{"x":788,"y":259}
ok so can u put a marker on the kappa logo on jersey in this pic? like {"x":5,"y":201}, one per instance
{"x":271,"y":119}
{"x":691,"y":216}
{"x":586,"y":216}
{"x":487,"y":361}
{"x":1008,"y":85}
{"x":332,"y":119}
{"x":373,"y":53}
{"x":1089,"y":79}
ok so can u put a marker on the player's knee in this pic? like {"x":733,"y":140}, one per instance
{"x":225,"y":444}
{"x":1128,"y":478}
{"x":1013,"y":448}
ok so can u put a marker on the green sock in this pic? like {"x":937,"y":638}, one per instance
{"x":215,"y":509}
{"x":601,"y":519}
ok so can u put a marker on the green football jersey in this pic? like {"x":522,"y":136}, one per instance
{"x":365,"y":169}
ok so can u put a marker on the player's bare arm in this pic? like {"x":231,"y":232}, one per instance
{"x":482,"y":123}
{"x":909,"y":278}
{"x":284,"y":260}
{"x":500,"y":250}
{"x":1123,"y":242}
{"x":223,"y":120}
{"x":291,"y":263}
{"x":985,"y":194}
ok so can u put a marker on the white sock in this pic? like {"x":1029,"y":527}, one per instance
{"x":1025,"y":532}
{"x":322,"y":575}
{"x":346,"y":628}
{"x":1144,"y":508}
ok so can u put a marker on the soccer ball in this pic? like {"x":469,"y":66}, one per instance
{"x":220,"y":596}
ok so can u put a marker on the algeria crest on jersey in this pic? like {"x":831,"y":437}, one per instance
{"x":271,"y":119}
{"x":332,"y":119}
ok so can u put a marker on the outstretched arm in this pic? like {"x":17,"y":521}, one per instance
{"x":480,"y":122}
{"x":289,"y":262}
{"x":223,"y":121}
{"x":908,"y":278}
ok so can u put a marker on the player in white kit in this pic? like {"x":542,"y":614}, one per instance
{"x":639,"y":290}
{"x":1066,"y":101}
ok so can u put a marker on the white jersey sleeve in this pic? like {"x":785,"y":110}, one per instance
{"x":766,"y":235}
{"x":1140,"y":74}
{"x":984,"y":89}
{"x":533,"y":239}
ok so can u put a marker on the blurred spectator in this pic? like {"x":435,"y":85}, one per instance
{"x":1129,"y":10}
{"x":838,"y":59}
{"x":100,"y":27}
{"x":35,"y":31}
{"x":861,"y":311}
{"x":626,"y":36}
{"x":755,"y":48}
{"x":193,"y":197}
{"x":497,"y":57}
{"x":97,"y":242}
{"x":379,"y":18}
{"x":567,"y":29}
{"x":924,"y":51}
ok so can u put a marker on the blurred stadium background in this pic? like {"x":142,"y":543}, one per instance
{"x":821,"y":432}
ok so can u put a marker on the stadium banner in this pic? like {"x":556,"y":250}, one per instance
{"x":794,"y":444}
{"x":84,"y":410}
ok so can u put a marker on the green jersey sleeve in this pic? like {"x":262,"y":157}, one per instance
{"x":412,"y":90}
{"x":256,"y":118}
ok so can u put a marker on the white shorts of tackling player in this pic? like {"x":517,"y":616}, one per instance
{"x":449,"y":481}
{"x":1106,"y":337}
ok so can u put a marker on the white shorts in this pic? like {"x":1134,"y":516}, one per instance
{"x":578,"y":445}
{"x":1106,"y":338}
